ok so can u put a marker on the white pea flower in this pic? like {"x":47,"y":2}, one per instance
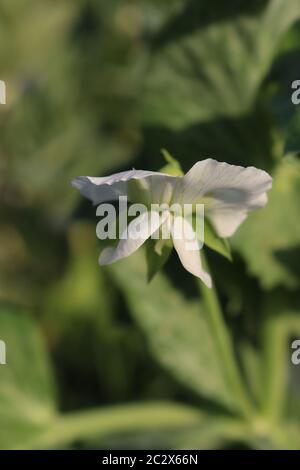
{"x":228,"y":193}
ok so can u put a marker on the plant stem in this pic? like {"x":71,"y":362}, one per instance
{"x":106,"y":421}
{"x":274,"y":341}
{"x":225,"y":347}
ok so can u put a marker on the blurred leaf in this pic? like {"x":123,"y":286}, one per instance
{"x":285,"y":71}
{"x":79,"y":314}
{"x":173,"y":166}
{"x":252,"y":365}
{"x":157,"y":259}
{"x":216,"y":243}
{"x":46,"y":89}
{"x":201,"y":88}
{"x":87,"y":426}
{"x":214,"y":433}
{"x":27,"y":403}
{"x":81,"y":291}
{"x":176,"y":329}
{"x":291,"y":132}
{"x":216,"y":70}
{"x":269,"y":239}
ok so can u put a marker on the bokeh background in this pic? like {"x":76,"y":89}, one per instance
{"x":98,"y":358}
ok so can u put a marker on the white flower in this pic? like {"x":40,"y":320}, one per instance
{"x":228,"y":193}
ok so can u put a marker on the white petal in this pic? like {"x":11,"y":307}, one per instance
{"x":108,"y":188}
{"x":226,"y":218}
{"x":229,"y":192}
{"x":148,"y":223}
{"x":96,"y":192}
{"x":226,"y":222}
{"x":187,"y":247}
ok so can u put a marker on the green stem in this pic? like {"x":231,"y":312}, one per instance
{"x":101,"y":422}
{"x":225,"y":347}
{"x":274,"y":342}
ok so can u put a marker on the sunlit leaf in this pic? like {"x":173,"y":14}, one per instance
{"x":203,"y":81}
{"x":269,"y":239}
{"x":173,"y":166}
{"x":27,"y":399}
{"x":216,"y":243}
{"x":157,"y":259}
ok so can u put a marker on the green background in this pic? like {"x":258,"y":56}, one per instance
{"x":96,"y":357}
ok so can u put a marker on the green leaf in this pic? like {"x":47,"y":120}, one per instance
{"x":283,"y":96}
{"x":100,"y":423}
{"x":252,"y":366}
{"x":28,"y":415}
{"x":81,"y":291}
{"x":176,"y":329}
{"x":269,"y":239}
{"x":202,"y":87}
{"x":216,"y":243}
{"x":27,"y":399}
{"x":223,"y":85}
{"x":157,"y":253}
{"x":214,"y":433}
{"x":173,"y":167}
{"x":57,"y":142}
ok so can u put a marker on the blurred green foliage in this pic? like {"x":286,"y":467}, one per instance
{"x":98,"y":357}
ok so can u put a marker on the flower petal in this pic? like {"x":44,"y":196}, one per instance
{"x":108,"y":188}
{"x":148,"y":223}
{"x":226,"y":218}
{"x":187,"y":247}
{"x":229,"y":192}
{"x":97,"y":192}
